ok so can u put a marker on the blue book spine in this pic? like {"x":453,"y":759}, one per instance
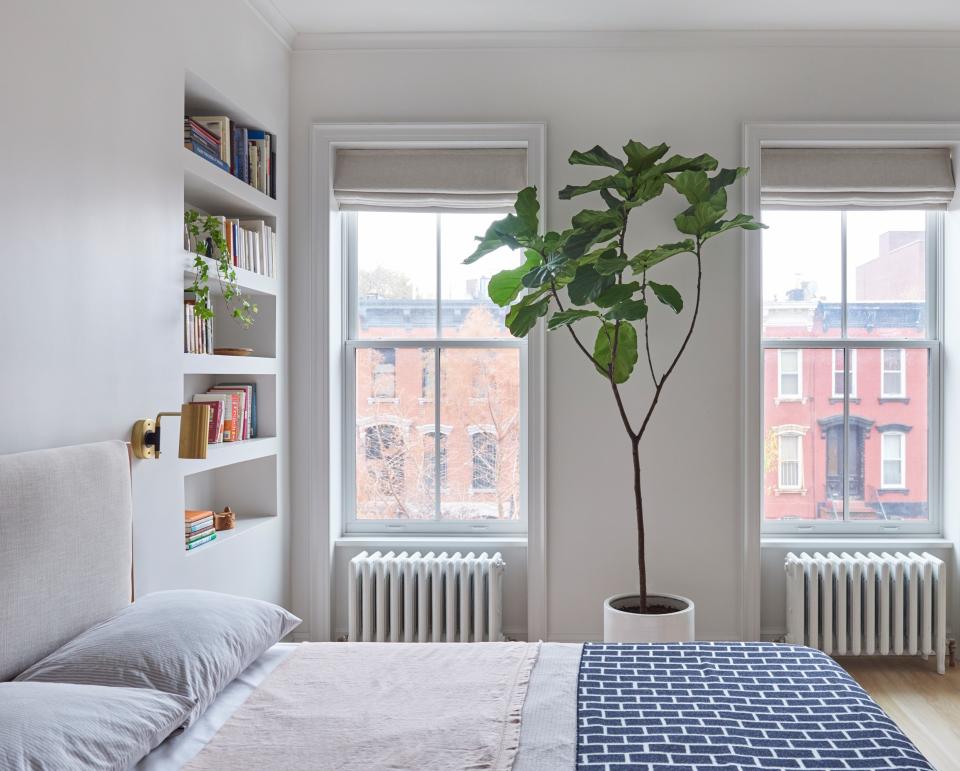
{"x":202,"y":541}
{"x":209,"y":156}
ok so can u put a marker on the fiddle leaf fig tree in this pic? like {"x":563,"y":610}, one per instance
{"x":586,"y":279}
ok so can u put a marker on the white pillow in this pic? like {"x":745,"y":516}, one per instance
{"x":54,"y":725}
{"x":191,"y":643}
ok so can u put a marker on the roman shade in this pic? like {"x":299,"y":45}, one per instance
{"x":856,"y":177}
{"x":431,"y":179}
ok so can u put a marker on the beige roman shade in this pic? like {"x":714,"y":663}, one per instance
{"x":856,"y":177}
{"x":432,"y":179}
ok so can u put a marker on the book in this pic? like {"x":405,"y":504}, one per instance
{"x":194,"y":515}
{"x":241,"y":423}
{"x":200,"y":524}
{"x":207,"y":155}
{"x":201,"y":542}
{"x":225,"y":419}
{"x":218,"y":126}
{"x":215,"y":425}
{"x":251,"y":400}
{"x":200,"y":534}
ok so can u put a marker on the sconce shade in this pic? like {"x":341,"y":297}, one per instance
{"x":194,"y":427}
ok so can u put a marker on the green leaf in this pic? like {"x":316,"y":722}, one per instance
{"x":617,"y":293}
{"x":677,"y":163}
{"x":595,"y":157}
{"x":523,"y":316}
{"x":647,"y":190}
{"x":505,"y":286}
{"x":726,"y":177}
{"x":610,"y":262}
{"x":610,"y":199}
{"x":698,"y":219}
{"x":640,"y":157}
{"x":590,"y":219}
{"x":626,"y":350}
{"x":692,"y":185}
{"x":527,"y":208}
{"x":628,"y":310}
{"x":742,"y":221}
{"x":650,"y":257}
{"x":668,"y":295}
{"x":562,"y":318}
{"x":587,"y":285}
{"x":617,"y":181}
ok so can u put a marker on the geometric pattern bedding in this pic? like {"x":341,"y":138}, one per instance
{"x":733,"y":706}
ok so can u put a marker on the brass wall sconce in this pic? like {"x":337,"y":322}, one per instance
{"x":194,"y":427}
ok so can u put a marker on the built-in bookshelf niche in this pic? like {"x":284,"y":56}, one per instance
{"x":249,"y":488}
{"x":266,"y":397}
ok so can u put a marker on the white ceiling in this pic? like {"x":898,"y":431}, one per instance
{"x":410,"y":16}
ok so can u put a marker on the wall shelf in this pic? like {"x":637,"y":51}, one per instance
{"x":211,"y":364}
{"x":229,"y":453}
{"x":244,"y":525}
{"x":214,"y":190}
{"x":248,"y":281}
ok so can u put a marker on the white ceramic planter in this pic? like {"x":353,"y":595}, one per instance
{"x":621,"y":626}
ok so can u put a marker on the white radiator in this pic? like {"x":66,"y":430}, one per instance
{"x":425,"y":598}
{"x":868,"y":604}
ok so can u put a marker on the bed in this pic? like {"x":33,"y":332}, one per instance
{"x":520,"y":706}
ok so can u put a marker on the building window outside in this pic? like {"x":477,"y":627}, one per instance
{"x":484,"y":476}
{"x":430,"y":464}
{"x":384,"y":373}
{"x":791,"y":374}
{"x":791,"y":461}
{"x":838,"y":375}
{"x":893,"y":459}
{"x":893,"y":373}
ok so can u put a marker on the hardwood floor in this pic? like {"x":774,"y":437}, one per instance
{"x":924,"y":704}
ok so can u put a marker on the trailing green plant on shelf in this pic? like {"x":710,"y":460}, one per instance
{"x":207,"y":233}
{"x":587,"y":280}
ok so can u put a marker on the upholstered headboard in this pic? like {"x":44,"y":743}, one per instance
{"x":65,"y":547}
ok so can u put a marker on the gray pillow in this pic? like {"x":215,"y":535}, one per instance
{"x":62,"y":726}
{"x":191,"y":643}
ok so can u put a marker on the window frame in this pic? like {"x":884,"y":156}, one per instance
{"x":798,"y":437}
{"x":932,"y":344}
{"x":351,"y":343}
{"x":902,"y":393}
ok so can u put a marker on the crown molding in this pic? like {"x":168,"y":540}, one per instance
{"x":276,"y":22}
{"x":625,"y":40}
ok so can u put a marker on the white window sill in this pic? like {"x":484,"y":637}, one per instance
{"x":791,"y":491}
{"x":452,"y":541}
{"x":383,"y":400}
{"x":848,"y":542}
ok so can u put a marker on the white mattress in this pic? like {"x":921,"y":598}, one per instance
{"x":182,"y":746}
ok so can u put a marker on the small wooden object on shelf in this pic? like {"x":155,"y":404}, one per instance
{"x":233,"y":351}
{"x":225,"y":520}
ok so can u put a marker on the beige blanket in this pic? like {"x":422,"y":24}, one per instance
{"x":366,"y":706}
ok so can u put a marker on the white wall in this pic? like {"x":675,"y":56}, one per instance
{"x":696,"y":98}
{"x":91,"y":254}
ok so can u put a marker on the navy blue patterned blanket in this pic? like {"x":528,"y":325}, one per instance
{"x":698,"y":706}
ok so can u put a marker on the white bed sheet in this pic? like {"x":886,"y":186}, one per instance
{"x":182,"y":746}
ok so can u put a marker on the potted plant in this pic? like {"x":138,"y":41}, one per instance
{"x":587,"y":280}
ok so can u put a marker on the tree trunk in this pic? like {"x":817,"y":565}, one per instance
{"x":641,"y":557}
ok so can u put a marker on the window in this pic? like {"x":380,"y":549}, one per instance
{"x":791,"y":462}
{"x":484,"y":477}
{"x":892,"y":373}
{"x":848,"y":307}
{"x":839,"y":356}
{"x":893,"y":459}
{"x":791,"y":374}
{"x":384,"y":373}
{"x":438,"y":353}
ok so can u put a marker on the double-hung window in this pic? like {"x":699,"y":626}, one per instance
{"x":433,"y":377}
{"x":850,"y":297}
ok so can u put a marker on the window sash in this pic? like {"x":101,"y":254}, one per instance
{"x":791,"y":376}
{"x":932,"y":344}
{"x":434,"y":343}
{"x":896,"y":374}
{"x":790,"y":462}
{"x":893,"y":460}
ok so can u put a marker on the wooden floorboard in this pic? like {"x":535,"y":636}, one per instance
{"x":924,"y":704}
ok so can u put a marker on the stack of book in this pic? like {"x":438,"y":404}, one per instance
{"x":251,"y":244}
{"x":199,"y":528}
{"x":249,"y":154}
{"x":197,"y":332}
{"x":233,"y":411}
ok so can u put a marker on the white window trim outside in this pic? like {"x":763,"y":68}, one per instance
{"x":753,"y":529}
{"x":902,"y":393}
{"x":852,"y":383}
{"x":321,"y":442}
{"x":884,"y":485}
{"x":799,"y":461}
{"x":794,"y":397}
